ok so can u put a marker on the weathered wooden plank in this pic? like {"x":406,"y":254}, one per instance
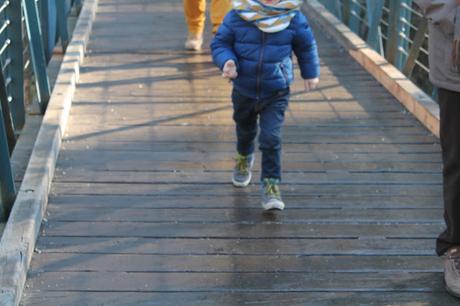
{"x":209,"y":229}
{"x":179,"y":104}
{"x":340,"y":85}
{"x":237,"y":247}
{"x":138,"y":89}
{"x":108,"y":157}
{"x":76,"y":175}
{"x":178,"y":66}
{"x":159,"y":132}
{"x":244,"y":215}
{"x":159,"y":115}
{"x":290,"y":156}
{"x":162,"y":70}
{"x":220,"y":96}
{"x":69,"y":262}
{"x":247,"y":200}
{"x":216,"y":147}
{"x":46,"y":298}
{"x":223,"y":98}
{"x":223,"y":120}
{"x":226,"y":165}
{"x":92,"y":77}
{"x":156,"y":67}
{"x":162,"y":76}
{"x":242,"y":282}
{"x":156,"y":137}
{"x":375,"y":190}
{"x":213,"y":118}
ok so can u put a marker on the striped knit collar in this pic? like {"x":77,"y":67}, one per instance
{"x":268,"y":18}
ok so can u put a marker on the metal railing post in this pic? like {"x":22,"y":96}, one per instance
{"x":78,"y":4}
{"x":48,"y":26}
{"x":16,"y":64}
{"x":375,"y":12}
{"x":8,"y":124}
{"x":37,"y":53}
{"x":346,"y":11}
{"x":354,"y":20}
{"x":333,"y":6}
{"x":393,"y":35}
{"x":7,"y":191}
{"x":62,"y":22}
{"x":404,"y":30}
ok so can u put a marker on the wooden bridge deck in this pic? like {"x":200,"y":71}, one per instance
{"x":142,"y":210}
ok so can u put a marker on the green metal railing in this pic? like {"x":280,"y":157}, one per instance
{"x":44,"y":21}
{"x":394,"y":28}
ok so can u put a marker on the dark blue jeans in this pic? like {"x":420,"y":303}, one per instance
{"x":269,"y":113}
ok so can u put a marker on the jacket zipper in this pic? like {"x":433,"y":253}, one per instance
{"x":259,"y":66}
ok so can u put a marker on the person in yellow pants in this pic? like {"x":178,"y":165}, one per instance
{"x":195,"y":16}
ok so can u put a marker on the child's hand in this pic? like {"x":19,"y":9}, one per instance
{"x":229,"y":70}
{"x":311,"y":84}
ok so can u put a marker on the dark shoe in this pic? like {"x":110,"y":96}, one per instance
{"x":452,"y":271}
{"x":271,"y":195}
{"x":242,"y":171}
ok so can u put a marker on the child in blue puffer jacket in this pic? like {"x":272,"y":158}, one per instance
{"x":253,"y":47}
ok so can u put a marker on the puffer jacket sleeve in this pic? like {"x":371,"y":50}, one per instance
{"x":305,"y":47}
{"x":222,"y":44}
{"x":444,"y":13}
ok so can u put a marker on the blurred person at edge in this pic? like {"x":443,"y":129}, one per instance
{"x":444,"y":56}
{"x":195,"y":16}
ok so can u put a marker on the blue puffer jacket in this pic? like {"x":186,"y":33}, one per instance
{"x":264,"y":60}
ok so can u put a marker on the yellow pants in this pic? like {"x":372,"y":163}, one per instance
{"x":195,"y":14}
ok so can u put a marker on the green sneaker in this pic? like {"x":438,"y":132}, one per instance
{"x":242,"y":171}
{"x":271,"y":195}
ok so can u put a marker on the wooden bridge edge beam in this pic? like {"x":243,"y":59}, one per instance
{"x":417,"y":102}
{"x":19,"y":237}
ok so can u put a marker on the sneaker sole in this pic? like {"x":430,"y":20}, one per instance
{"x":273,"y":205}
{"x":242,"y":184}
